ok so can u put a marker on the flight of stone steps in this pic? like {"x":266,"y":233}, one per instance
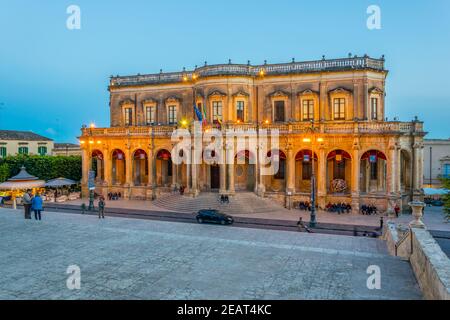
{"x":240,"y":203}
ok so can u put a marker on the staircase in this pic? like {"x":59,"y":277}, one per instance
{"x":240,"y":203}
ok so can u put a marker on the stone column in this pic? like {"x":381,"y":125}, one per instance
{"x":223,"y":172}
{"x":86,"y":164}
{"x":356,"y":163}
{"x":321,"y":178}
{"x":231,"y":178}
{"x":150,"y":168}
{"x":128,"y":168}
{"x":194,"y":167}
{"x":188,"y":177}
{"x":392,"y":170}
{"x":107,"y":165}
{"x":290,"y":171}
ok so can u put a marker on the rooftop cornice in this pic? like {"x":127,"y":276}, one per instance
{"x":254,"y":71}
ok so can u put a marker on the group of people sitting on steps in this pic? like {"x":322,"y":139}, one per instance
{"x":114,"y":195}
{"x":224,"y":199}
{"x":338,"y":207}
{"x":304,"y":206}
{"x":368,"y":209}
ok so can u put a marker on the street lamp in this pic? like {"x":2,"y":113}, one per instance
{"x":313,"y":220}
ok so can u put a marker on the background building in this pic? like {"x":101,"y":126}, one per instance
{"x":436,"y":161}
{"x":359,"y":157}
{"x":66,"y":149}
{"x":24,"y":142}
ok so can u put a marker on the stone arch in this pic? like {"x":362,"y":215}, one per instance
{"x":244,"y":170}
{"x":140,"y":167}
{"x":303,"y":169}
{"x":118,"y":167}
{"x":339,"y":171}
{"x":277,"y":181}
{"x":98,"y":164}
{"x":164,"y":167}
{"x":373,"y":166}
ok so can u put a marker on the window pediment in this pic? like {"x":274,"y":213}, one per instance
{"x":217,"y":93}
{"x":172,"y":99}
{"x":340,"y":90}
{"x":127,"y":101}
{"x":240,"y":93}
{"x":376,"y":90}
{"x":149,"y":101}
{"x":308,"y":92}
{"x":279,"y":93}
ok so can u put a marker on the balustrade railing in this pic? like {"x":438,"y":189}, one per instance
{"x":249,"y":70}
{"x":283,"y":128}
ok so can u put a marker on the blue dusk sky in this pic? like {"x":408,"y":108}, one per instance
{"x":53,"y":80}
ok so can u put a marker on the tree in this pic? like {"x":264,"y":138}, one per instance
{"x":446,"y":183}
{"x":4,"y":172}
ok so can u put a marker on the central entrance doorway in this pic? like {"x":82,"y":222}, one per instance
{"x":215,"y":176}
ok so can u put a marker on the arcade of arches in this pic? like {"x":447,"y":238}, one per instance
{"x":350,"y":175}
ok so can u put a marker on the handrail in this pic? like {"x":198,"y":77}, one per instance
{"x":401,"y":240}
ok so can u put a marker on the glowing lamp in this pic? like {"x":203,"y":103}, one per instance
{"x":306,"y":140}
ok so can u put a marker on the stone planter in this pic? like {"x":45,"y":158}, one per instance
{"x":417,"y":213}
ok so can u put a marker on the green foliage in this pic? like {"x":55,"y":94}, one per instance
{"x":44,"y":167}
{"x":4,"y":172}
{"x":446,"y":198}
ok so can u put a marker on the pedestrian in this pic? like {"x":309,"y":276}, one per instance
{"x":26,"y":200}
{"x":37,"y":205}
{"x":101,"y":208}
{"x":397,"y":210}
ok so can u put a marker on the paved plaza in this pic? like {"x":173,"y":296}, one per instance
{"x":142,"y":259}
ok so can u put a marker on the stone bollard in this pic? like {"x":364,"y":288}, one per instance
{"x":417,"y":212}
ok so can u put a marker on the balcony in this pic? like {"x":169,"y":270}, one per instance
{"x":395,"y":127}
{"x":351,"y":63}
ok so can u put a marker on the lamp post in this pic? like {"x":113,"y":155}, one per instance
{"x":313,"y":219}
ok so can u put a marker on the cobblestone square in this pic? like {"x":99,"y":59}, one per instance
{"x":141,"y":259}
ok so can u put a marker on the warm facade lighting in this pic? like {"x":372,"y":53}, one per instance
{"x":306,"y":140}
{"x":82,"y":142}
{"x":266,"y":122}
{"x":91,"y":142}
{"x":92,"y":125}
{"x":194,"y":76}
{"x":319,"y":139}
{"x":98,"y":142}
{"x":183,"y":122}
{"x":261,"y":72}
{"x":185,"y":78}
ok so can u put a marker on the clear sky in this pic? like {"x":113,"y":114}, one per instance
{"x":53,"y":80}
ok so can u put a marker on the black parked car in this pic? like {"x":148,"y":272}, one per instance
{"x":437,"y":203}
{"x":213,"y":216}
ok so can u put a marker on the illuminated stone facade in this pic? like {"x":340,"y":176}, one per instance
{"x":359,"y":157}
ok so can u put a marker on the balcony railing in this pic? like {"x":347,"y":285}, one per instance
{"x":283,"y":128}
{"x":351,"y":63}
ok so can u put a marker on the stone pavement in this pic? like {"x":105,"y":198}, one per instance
{"x":141,"y":259}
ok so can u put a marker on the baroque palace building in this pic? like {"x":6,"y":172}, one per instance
{"x":330,"y":113}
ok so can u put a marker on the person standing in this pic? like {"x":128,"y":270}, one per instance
{"x":101,"y":208}
{"x":26,"y":200}
{"x":37,"y":205}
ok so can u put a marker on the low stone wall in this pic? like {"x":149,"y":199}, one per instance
{"x":430,"y":264}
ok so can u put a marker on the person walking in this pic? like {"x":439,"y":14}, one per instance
{"x":37,"y":205}
{"x":101,"y":208}
{"x":26,"y":200}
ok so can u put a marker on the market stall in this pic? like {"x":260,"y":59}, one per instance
{"x":20,"y":183}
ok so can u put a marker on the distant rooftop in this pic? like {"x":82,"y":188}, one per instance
{"x":323,"y":65}
{"x":62,"y":145}
{"x":22,"y":136}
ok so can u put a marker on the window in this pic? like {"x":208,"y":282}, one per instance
{"x":172,"y":114}
{"x":217,"y":111}
{"x":2,"y":152}
{"x":374,"y":108}
{"x":149,"y":115}
{"x":308,"y":110}
{"x":240,"y":111}
{"x":339,"y":109}
{"x":42,"y":150}
{"x":23,"y":150}
{"x":128,"y":113}
{"x":279,"y":111}
{"x":446,"y":171}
